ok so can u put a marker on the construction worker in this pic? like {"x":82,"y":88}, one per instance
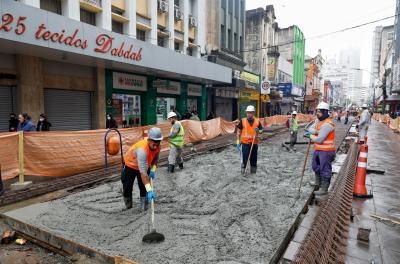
{"x":363,"y":123}
{"x":141,"y":163}
{"x":293,"y":129}
{"x":176,"y":139}
{"x":322,"y":133}
{"x":247,"y":138}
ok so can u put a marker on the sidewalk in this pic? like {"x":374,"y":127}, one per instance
{"x":384,"y":239}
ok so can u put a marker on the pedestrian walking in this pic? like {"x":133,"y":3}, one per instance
{"x":43,"y":124}
{"x":25,"y":123}
{"x":322,"y":134}
{"x":293,"y":129}
{"x":141,"y":163}
{"x":12,"y":123}
{"x":176,"y":139}
{"x":346,"y":119}
{"x":247,"y":139}
{"x":110,"y":122}
{"x":363,"y":123}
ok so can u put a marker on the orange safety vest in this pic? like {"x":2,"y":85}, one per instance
{"x":248,"y":131}
{"x":329,"y":142}
{"x":131,"y":158}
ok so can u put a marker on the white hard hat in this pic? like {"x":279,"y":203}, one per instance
{"x":294,"y":113}
{"x":323,"y":106}
{"x":171,"y":114}
{"x":155,"y":134}
{"x":364,"y":106}
{"x":250,"y":108}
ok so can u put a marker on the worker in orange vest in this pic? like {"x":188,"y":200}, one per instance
{"x":322,"y":133}
{"x":247,"y":136}
{"x":141,"y":163}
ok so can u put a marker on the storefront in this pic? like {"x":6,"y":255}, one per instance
{"x":167,"y":97}
{"x":249,"y":97}
{"x":226,"y":103}
{"x":7,"y":105}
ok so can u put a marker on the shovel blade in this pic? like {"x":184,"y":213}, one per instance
{"x":153,"y":237}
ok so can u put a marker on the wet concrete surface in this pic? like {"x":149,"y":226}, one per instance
{"x":209,"y":212}
{"x":384,"y":244}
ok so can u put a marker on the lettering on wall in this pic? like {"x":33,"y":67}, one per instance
{"x":103,"y":42}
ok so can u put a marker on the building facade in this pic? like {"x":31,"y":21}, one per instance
{"x":225,"y":29}
{"x":77,"y":60}
{"x":313,"y":81}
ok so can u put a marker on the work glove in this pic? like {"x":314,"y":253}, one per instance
{"x":153,"y":172}
{"x":150,"y":196}
{"x":258,"y":131}
{"x":238,"y":145}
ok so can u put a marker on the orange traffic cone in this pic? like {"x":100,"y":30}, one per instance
{"x":360,"y":190}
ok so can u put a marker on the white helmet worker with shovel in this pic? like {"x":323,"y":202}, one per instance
{"x":248,"y":130}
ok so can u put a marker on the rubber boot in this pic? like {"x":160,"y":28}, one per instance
{"x":181,"y":166}
{"x":324,"y":186}
{"x":171,"y":168}
{"x":144,"y":204}
{"x":243,"y":170}
{"x":253,"y":169}
{"x":128,"y":203}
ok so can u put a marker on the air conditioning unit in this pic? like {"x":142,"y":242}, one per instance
{"x":162,"y":6}
{"x":178,"y":14}
{"x":192,"y":21}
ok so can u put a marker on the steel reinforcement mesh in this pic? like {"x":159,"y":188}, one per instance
{"x":325,"y":242}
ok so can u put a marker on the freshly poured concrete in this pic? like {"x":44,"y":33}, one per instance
{"x":208,"y":212}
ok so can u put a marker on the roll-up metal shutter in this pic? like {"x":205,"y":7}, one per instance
{"x":68,"y":110}
{"x":7,"y":106}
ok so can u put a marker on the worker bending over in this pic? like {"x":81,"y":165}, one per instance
{"x":176,"y":139}
{"x":293,"y":129}
{"x":141,"y":163}
{"x":322,"y":133}
{"x":247,"y":135}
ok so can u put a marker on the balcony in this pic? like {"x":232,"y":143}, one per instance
{"x":91,"y":5}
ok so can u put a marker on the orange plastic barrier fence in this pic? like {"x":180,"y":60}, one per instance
{"x":394,"y":124}
{"x":69,"y":153}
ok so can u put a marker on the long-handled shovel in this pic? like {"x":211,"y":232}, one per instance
{"x":248,"y":159}
{"x":305,"y":164}
{"x":153,"y":236}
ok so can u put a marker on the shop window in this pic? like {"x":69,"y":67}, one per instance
{"x":164,"y":106}
{"x":117,"y":27}
{"x":88,"y":17}
{"x":126,"y":110}
{"x":141,"y":34}
{"x":51,"y":5}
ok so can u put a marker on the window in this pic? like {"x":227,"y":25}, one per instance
{"x":176,"y":2}
{"x":140,"y":34}
{"x":51,"y":5}
{"x":88,"y":17}
{"x":237,"y":8}
{"x":242,"y":8}
{"x":223,"y":36}
{"x":230,"y":2}
{"x":223,"y":3}
{"x":177,"y":46}
{"x":117,"y":11}
{"x":241,"y":44}
{"x":190,"y":51}
{"x":117,"y":27}
{"x":235,"y":39}
{"x":160,"y":42}
{"x":229,"y":39}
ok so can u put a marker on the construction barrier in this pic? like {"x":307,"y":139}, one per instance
{"x":69,"y":153}
{"x":393,"y":124}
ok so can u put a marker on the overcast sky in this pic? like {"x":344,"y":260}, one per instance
{"x":316,"y":17}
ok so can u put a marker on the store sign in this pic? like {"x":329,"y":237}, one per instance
{"x":297,"y":90}
{"x":226,"y":93}
{"x":167,"y":87}
{"x":265,"y":87}
{"x":249,"y":95}
{"x":249,"y":77}
{"x":236,"y":74}
{"x":129,"y":82}
{"x":265,"y":98}
{"x":285,"y":88}
{"x":194,"y":90}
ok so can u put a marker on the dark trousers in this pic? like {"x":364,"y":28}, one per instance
{"x":245,"y":155}
{"x":346,"y":120}
{"x":128,"y":176}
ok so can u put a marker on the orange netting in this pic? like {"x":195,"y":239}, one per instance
{"x":394,"y":124}
{"x":69,"y":153}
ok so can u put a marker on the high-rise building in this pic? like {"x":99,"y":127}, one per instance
{"x":77,"y":60}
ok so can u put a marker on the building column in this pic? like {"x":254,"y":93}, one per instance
{"x":171,"y":24}
{"x":35,"y":3}
{"x":103,"y":19}
{"x":30,"y":92}
{"x":130,"y":27}
{"x":153,"y":15}
{"x":71,"y":9}
{"x":203,"y":111}
{"x":185,"y":11}
{"x":99,"y":105}
{"x":183,"y":98}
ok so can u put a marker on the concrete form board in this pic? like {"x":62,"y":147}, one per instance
{"x":208,"y":213}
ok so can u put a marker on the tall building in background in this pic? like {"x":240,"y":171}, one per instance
{"x":225,"y":33}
